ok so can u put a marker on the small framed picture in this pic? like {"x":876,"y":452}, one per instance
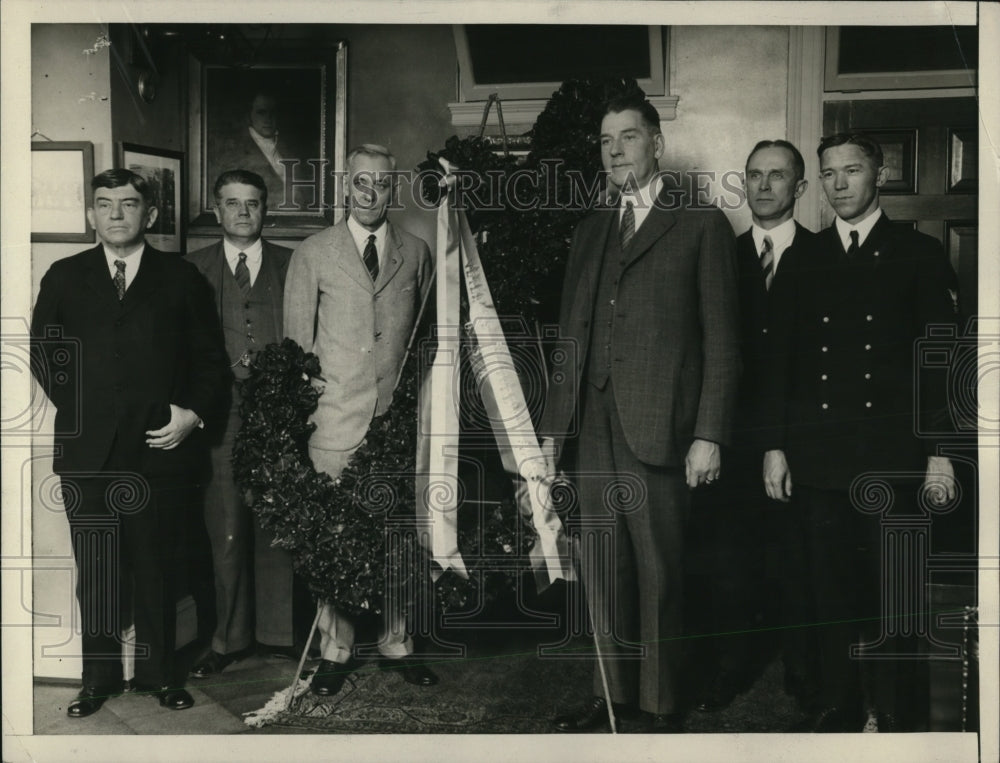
{"x":60,"y":191}
{"x":162,"y":169}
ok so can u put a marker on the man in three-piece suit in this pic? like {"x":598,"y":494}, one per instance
{"x":247,"y":278}
{"x":843,"y":393}
{"x":352,"y":296}
{"x":150,"y":363}
{"x":734,"y":521}
{"x":650,"y":300}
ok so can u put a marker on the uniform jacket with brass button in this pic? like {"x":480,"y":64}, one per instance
{"x":843,"y":386}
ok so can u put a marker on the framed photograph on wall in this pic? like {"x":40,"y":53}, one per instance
{"x":61,"y":172}
{"x":163,"y":170}
{"x":284,"y":118}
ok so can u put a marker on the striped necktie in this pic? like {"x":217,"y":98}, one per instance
{"x":242,"y":274}
{"x":767,"y":261}
{"x":628,"y":225}
{"x":371,"y":258}
{"x":119,"y":279}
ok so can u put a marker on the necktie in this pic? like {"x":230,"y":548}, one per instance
{"x":767,"y":261}
{"x":242,"y":274}
{"x":119,"y":279}
{"x":628,"y":225}
{"x":371,"y":258}
{"x":855,"y":248}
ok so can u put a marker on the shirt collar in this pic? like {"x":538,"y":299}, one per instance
{"x":643,"y":198}
{"x":361,"y":234}
{"x":253,"y":252}
{"x":132,"y":259}
{"x":863,"y":228}
{"x":781,"y":236}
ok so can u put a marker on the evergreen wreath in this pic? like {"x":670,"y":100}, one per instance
{"x":335,"y":529}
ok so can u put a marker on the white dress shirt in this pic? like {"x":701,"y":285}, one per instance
{"x":254,"y":253}
{"x":781,"y":238}
{"x":863,"y":228}
{"x":361,"y":234}
{"x":131,"y":260}
{"x":642,"y":200}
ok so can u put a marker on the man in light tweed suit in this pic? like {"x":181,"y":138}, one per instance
{"x":650,"y":299}
{"x":352,"y":295}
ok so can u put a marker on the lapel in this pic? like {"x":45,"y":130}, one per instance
{"x":392,"y":258}
{"x":349,"y":258}
{"x":878,"y":239}
{"x":659,"y":220}
{"x":591,"y":257}
{"x":268,"y":276}
{"x":98,"y":278}
{"x":147,"y":280}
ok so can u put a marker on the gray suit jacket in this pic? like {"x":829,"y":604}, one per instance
{"x":359,"y":330}
{"x":675,"y":341}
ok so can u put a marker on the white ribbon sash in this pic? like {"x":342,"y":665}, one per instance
{"x":502,"y":397}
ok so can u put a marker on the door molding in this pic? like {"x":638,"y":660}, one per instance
{"x":804,"y":115}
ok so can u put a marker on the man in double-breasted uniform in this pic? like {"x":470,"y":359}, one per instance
{"x":844,"y":390}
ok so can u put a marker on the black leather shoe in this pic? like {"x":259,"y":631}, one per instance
{"x":829,"y":720}
{"x":89,"y":701}
{"x":329,"y":678}
{"x":214,"y":663}
{"x":175,"y":699}
{"x":593,"y":717}
{"x":170,"y":698}
{"x":719,"y":693}
{"x":412,"y":670}
{"x":280,"y":652}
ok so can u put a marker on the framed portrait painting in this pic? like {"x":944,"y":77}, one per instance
{"x":61,"y":172}
{"x":282,"y":118}
{"x":162,"y":169}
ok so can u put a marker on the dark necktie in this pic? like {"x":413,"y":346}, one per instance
{"x":628,"y":225}
{"x":855,"y":248}
{"x":242,"y":274}
{"x":767,"y":261}
{"x":119,"y":279}
{"x":371,"y":258}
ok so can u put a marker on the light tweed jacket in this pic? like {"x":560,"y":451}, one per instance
{"x":359,"y":330}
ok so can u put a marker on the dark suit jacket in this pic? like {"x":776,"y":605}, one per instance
{"x":755,"y":306}
{"x":845,"y":335}
{"x":131,"y":359}
{"x":675,"y":342}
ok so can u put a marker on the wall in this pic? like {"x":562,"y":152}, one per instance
{"x":70,"y":100}
{"x":732,"y":83}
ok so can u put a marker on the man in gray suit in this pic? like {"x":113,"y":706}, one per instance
{"x":247,"y":276}
{"x":352,"y":297}
{"x":650,"y":298}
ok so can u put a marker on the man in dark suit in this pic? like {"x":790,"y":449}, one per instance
{"x":650,"y":301}
{"x":734,"y":522}
{"x":247,"y":278}
{"x":843,"y":392}
{"x":128,"y":432}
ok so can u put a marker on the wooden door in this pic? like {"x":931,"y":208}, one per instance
{"x":930,"y":145}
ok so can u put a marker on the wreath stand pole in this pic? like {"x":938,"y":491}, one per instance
{"x":302,"y":659}
{"x":604,"y":675}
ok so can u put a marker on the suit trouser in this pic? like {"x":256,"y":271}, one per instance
{"x":236,"y":536}
{"x":631,"y":559}
{"x":123,"y":528}
{"x":843,"y":569}
{"x":337,"y":629}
